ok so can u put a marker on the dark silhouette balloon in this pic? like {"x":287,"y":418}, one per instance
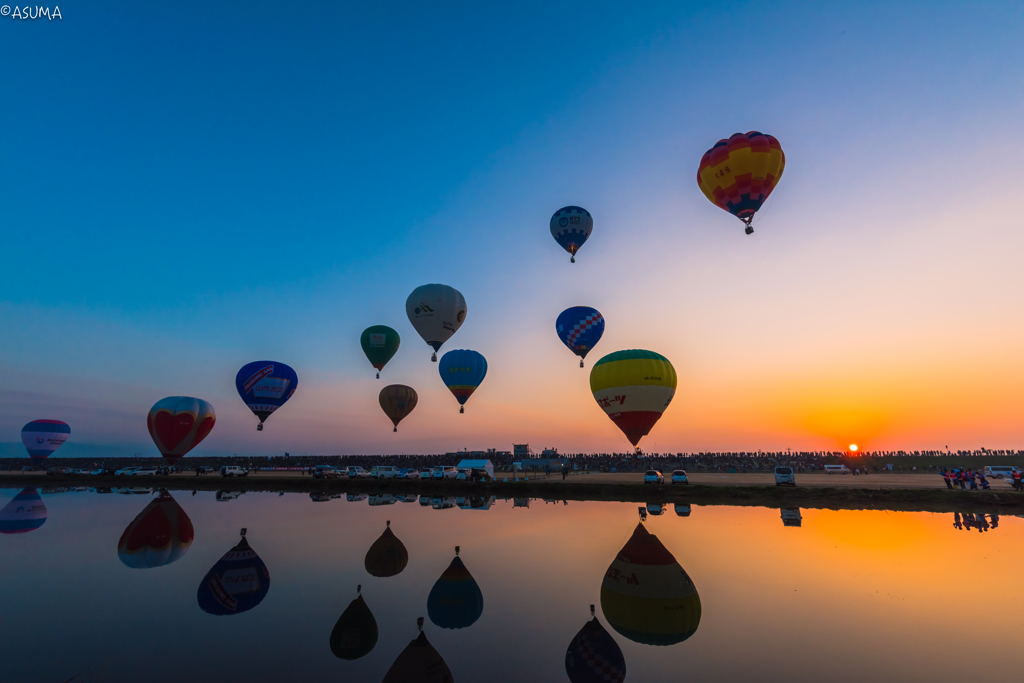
{"x":24,"y":513}
{"x":355,"y":634}
{"x":158,"y":536}
{"x":646,"y":596}
{"x":397,"y":401}
{"x":387,"y":556}
{"x":237,"y":583}
{"x":419,"y":662}
{"x":594,"y":656}
{"x":455,"y":601}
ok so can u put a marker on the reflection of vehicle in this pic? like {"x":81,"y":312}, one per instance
{"x":132,"y":490}
{"x":148,"y":471}
{"x":682,"y":510}
{"x":679,"y":477}
{"x":784,"y":476}
{"x":233,"y":471}
{"x":383,"y":499}
{"x":326,"y":472}
{"x":355,"y":497}
{"x":791,"y":517}
{"x":125,"y":471}
{"x":406,"y":473}
{"x":836,"y":469}
{"x":384,"y":472}
{"x":655,"y":509}
{"x":654,"y":477}
{"x":228,"y":495}
{"x":442,"y":503}
{"x":357,"y":472}
{"x":425,"y":501}
{"x":476,"y":503}
{"x":324,"y":497}
{"x":407,"y":498}
{"x":445,"y":472}
{"x":1000,"y":471}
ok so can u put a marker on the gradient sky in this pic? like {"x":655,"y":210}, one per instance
{"x":186,"y":188}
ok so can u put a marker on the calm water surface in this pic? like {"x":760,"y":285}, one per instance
{"x":119,"y":587}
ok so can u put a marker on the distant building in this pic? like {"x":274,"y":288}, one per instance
{"x":522,"y":450}
{"x":549,"y":453}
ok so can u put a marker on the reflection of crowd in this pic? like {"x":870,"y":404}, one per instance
{"x":970,"y":520}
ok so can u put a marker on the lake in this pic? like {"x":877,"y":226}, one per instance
{"x":128,"y":587}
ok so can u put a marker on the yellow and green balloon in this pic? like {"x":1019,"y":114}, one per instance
{"x":634,"y":387}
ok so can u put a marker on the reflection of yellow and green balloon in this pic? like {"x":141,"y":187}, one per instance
{"x":380,"y":344}
{"x":646,"y":596}
{"x":634,"y":388}
{"x":397,"y":401}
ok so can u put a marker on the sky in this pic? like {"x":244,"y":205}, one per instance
{"x":187,"y":188}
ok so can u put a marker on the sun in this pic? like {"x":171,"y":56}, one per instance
{"x":853,"y":447}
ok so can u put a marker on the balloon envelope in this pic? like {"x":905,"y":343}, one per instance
{"x":738,"y":174}
{"x":580,"y":328}
{"x":462,"y":372}
{"x":43,"y":437}
{"x":265,"y":386}
{"x":419,"y":662}
{"x":178,"y":423}
{"x":387,"y":556}
{"x":24,"y":513}
{"x":455,"y":601}
{"x":397,"y":401}
{"x":380,"y":344}
{"x":237,"y":583}
{"x":594,"y":656}
{"x":436,"y":312}
{"x":158,"y":536}
{"x":634,"y":388}
{"x":646,"y":596}
{"x":355,"y":634}
{"x":571,"y":226}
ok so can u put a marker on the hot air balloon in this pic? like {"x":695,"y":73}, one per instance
{"x":594,"y":656}
{"x":237,"y":583}
{"x":419,"y":662}
{"x":580,"y":328}
{"x":462,"y":372}
{"x":265,"y":386}
{"x":571,"y":226}
{"x":455,"y":601}
{"x":43,"y":437}
{"x":646,"y":596}
{"x":24,"y":513}
{"x":178,"y":423}
{"x":380,"y":344}
{"x":738,"y":174}
{"x":634,"y":387}
{"x":160,"y":535}
{"x":355,"y":634}
{"x":387,"y":556}
{"x":397,"y":401}
{"x":437,"y":312}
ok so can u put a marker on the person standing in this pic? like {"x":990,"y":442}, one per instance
{"x":1016,"y":480}
{"x":945,"y":478}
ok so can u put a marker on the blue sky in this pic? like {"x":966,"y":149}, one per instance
{"x":189,"y":187}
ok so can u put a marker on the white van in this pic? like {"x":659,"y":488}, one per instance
{"x":1000,"y":471}
{"x":383,"y":472}
{"x":784,"y":476}
{"x":446,"y":472}
{"x":837,"y":469}
{"x":233,"y":471}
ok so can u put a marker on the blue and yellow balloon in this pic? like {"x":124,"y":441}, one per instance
{"x":462,"y":372}
{"x":265,"y":386}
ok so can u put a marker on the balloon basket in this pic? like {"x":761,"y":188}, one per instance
{"x":396,"y":429}
{"x":572,"y":259}
{"x":433,"y":358}
{"x":749,"y":230}
{"x":462,"y":409}
{"x":581,"y":364}
{"x":259,"y":427}
{"x":378,"y":375}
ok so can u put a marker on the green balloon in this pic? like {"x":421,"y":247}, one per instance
{"x":380,"y":344}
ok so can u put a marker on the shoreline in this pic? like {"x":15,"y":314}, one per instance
{"x":896,"y":499}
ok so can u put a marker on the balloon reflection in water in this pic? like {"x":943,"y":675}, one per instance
{"x":355,"y":634}
{"x":594,"y":656}
{"x":455,"y":601}
{"x":387,"y":556}
{"x":419,"y":662}
{"x":646,"y":596}
{"x":160,"y":535}
{"x":237,"y":583}
{"x":24,"y":513}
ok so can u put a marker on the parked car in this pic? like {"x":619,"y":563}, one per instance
{"x":1000,"y":471}
{"x":357,"y":472}
{"x":654,"y":477}
{"x":233,"y":471}
{"x":28,"y":468}
{"x":383,"y":472}
{"x":837,"y":469}
{"x":145,"y":472}
{"x":57,"y":470}
{"x":445,"y":472}
{"x":407,"y":473}
{"x":326,"y":472}
{"x":462,"y":475}
{"x":784,"y":476}
{"x":125,"y":471}
{"x":679,"y":477}
{"x":426,"y":473}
